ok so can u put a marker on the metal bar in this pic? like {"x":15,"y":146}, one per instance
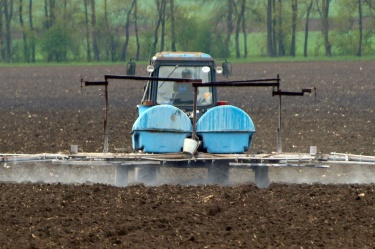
{"x":286,"y":93}
{"x":275,"y":80}
{"x":128,"y":77}
{"x":238,"y":84}
{"x":96,"y":83}
{"x":278,"y":142}
{"x":277,"y":165}
{"x":194,"y":135}
{"x":130,"y":163}
{"x":105,"y":147}
{"x":283,"y":93}
{"x":351,"y":162}
{"x":84,"y":162}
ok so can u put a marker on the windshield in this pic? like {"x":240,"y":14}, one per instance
{"x":174,"y":93}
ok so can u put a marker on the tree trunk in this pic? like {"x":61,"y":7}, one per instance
{"x":88,"y":46}
{"x":94,"y":32}
{"x":52,"y":16}
{"x":240,"y":16}
{"x":269,"y":29}
{"x":32,"y":32}
{"x":229,"y":28}
{"x":274,"y":29}
{"x":324,"y":15}
{"x":244,"y":32}
{"x":280,"y":32}
{"x":360,"y":28}
{"x":46,"y":23}
{"x":173,"y":27}
{"x":294,"y":27}
{"x":108,"y":33}
{"x":8,"y":14}
{"x":26,"y":53}
{"x":156,"y":31}
{"x":65,"y":10}
{"x":163,"y":8}
{"x":136,"y":29}
{"x":127,"y":36}
{"x":2,"y":45}
{"x":49,"y":14}
{"x":307,"y":28}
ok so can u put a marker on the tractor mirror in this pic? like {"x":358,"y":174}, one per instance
{"x":130,"y":68}
{"x":227,"y":69}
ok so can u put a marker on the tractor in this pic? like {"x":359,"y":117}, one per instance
{"x":176,"y":117}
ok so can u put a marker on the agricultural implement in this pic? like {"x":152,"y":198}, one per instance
{"x":182,"y":123}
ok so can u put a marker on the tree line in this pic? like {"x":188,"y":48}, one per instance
{"x":116,"y":30}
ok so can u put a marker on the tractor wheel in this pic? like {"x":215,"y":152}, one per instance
{"x":261,"y":177}
{"x":121,"y":177}
{"x":146,"y":174}
{"x":218,"y":173}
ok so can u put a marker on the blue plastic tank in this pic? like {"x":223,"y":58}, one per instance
{"x":161,"y":129}
{"x":226,"y":129}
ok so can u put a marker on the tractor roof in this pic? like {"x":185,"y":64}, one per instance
{"x":182,"y":56}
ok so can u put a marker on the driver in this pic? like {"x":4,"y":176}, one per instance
{"x":184,"y":87}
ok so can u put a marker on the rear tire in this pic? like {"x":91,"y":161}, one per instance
{"x":218,"y":173}
{"x":146,"y":174}
{"x":261,"y":177}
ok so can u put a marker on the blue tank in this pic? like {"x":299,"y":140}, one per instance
{"x":226,"y":129}
{"x":161,"y":129}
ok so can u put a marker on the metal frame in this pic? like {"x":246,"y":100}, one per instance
{"x":118,"y":77}
{"x":272,"y":82}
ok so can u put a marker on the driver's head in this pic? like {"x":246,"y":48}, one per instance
{"x":187,"y":74}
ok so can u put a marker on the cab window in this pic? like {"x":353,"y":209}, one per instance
{"x":174,"y":93}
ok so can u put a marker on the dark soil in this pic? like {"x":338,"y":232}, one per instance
{"x":46,"y":110}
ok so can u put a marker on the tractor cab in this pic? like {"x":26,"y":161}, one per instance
{"x":175,"y":114}
{"x":181,"y":65}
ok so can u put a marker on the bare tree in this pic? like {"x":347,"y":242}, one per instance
{"x":275,"y":33}
{"x":32,"y":31}
{"x":274,"y":29}
{"x":324,"y":15}
{"x":280,"y":31}
{"x":49,"y":20}
{"x":308,"y":10}
{"x":108,"y":34}
{"x":240,"y":14}
{"x":49,"y":13}
{"x":163,"y":20}
{"x":2,"y":46}
{"x":87,"y":28}
{"x":136,"y":29}
{"x":360,"y":28}
{"x":173,"y":26}
{"x":94,"y":32}
{"x":229,"y":28}
{"x":159,"y":6}
{"x":8,"y":14}
{"x":127,"y":36}
{"x":270,"y":46}
{"x":244,"y":31}
{"x":24,"y":36}
{"x":294,"y":27}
